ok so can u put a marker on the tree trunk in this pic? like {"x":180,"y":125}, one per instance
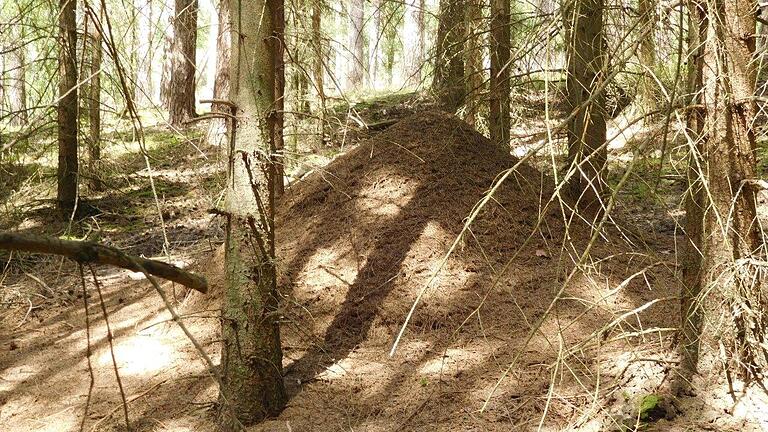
{"x":356,"y":24}
{"x":648,"y":20}
{"x":17,"y":88}
{"x":251,"y":356}
{"x":67,"y":109}
{"x":474,"y":71}
{"x":448,"y":83}
{"x":587,"y":153}
{"x":278,"y":51}
{"x":181,"y":87}
{"x":723,"y":307}
{"x":217,"y":128}
{"x":318,"y":66}
{"x":375,"y":45}
{"x":412,"y":47}
{"x":499,"y":121}
{"x":94,"y":109}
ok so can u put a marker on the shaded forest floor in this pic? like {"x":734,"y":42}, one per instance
{"x":361,"y":231}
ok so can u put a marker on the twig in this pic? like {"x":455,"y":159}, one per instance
{"x":89,"y":252}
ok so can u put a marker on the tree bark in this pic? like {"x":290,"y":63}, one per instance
{"x":448,"y":82}
{"x":181,"y":87}
{"x":722,"y":304}
{"x":251,"y":355}
{"x":67,"y":109}
{"x":278,"y":51}
{"x":318,"y":66}
{"x":587,"y":153}
{"x":648,"y":20}
{"x":217,"y":128}
{"x":375,"y":45}
{"x":356,"y":43}
{"x":94,"y":108}
{"x":412,"y":47}
{"x":474,"y":72}
{"x":499,"y":120}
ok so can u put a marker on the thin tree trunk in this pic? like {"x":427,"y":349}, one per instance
{"x":278,"y":49}
{"x":356,"y":27}
{"x":375,"y":45}
{"x":723,"y":306}
{"x":499,"y":120}
{"x":474,"y":71}
{"x":587,"y":153}
{"x":217,"y":129}
{"x":67,"y":109}
{"x":448,"y":83}
{"x":17,"y":90}
{"x":412,"y":47}
{"x":251,"y":355}
{"x":181,"y":87}
{"x":648,"y":20}
{"x":318,"y":65}
{"x":94,"y":110}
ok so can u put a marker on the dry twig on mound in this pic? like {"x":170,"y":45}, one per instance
{"x":89,"y":252}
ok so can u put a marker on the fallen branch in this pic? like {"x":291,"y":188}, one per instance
{"x":89,"y":252}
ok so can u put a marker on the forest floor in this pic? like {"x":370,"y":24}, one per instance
{"x":361,"y":232}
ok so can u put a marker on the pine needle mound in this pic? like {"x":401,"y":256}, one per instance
{"x":369,"y":230}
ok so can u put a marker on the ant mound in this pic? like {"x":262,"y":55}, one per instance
{"x":359,"y":239}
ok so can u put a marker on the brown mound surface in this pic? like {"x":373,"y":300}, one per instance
{"x":360,"y":238}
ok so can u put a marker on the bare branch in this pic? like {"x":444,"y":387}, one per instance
{"x":89,"y":252}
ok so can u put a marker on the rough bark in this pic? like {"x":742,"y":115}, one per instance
{"x":648,"y":20}
{"x":16,"y":92}
{"x":94,"y":109}
{"x":278,"y":52}
{"x":356,"y":43}
{"x":474,"y":72}
{"x":723,"y":307}
{"x":180,"y":100}
{"x":67,"y":109}
{"x":412,"y":46}
{"x":318,"y":66}
{"x":498,"y":99}
{"x":251,"y":355}
{"x":217,"y":128}
{"x":587,"y":153}
{"x":375,"y":45}
{"x":448,"y":82}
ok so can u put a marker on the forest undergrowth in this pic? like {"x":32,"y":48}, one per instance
{"x":515,"y":329}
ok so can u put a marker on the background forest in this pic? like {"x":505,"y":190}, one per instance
{"x":383,"y":215}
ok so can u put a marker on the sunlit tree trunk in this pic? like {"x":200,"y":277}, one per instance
{"x":412,"y":45}
{"x":217,"y":128}
{"x":723,"y":305}
{"x":251,"y":361}
{"x":356,"y":43}
{"x":94,"y":107}
{"x":278,"y":52}
{"x":474,"y":72}
{"x":180,"y":100}
{"x":67,"y":109}
{"x":145,"y":53}
{"x":498,"y":98}
{"x":318,"y":65}
{"x":16,"y":91}
{"x":648,"y":20}
{"x":587,"y":153}
{"x":448,"y":83}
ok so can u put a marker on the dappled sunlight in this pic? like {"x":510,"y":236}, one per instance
{"x":138,"y":355}
{"x":387,"y":196}
{"x":456,"y":360}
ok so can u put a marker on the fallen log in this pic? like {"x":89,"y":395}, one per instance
{"x":90,"y":252}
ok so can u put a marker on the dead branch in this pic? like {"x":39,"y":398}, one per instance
{"x":89,"y":252}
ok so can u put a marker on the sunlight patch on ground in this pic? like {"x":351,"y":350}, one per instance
{"x":328,"y":267}
{"x":386,"y":197}
{"x":65,"y":420}
{"x":424,"y":260}
{"x":138,"y":355}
